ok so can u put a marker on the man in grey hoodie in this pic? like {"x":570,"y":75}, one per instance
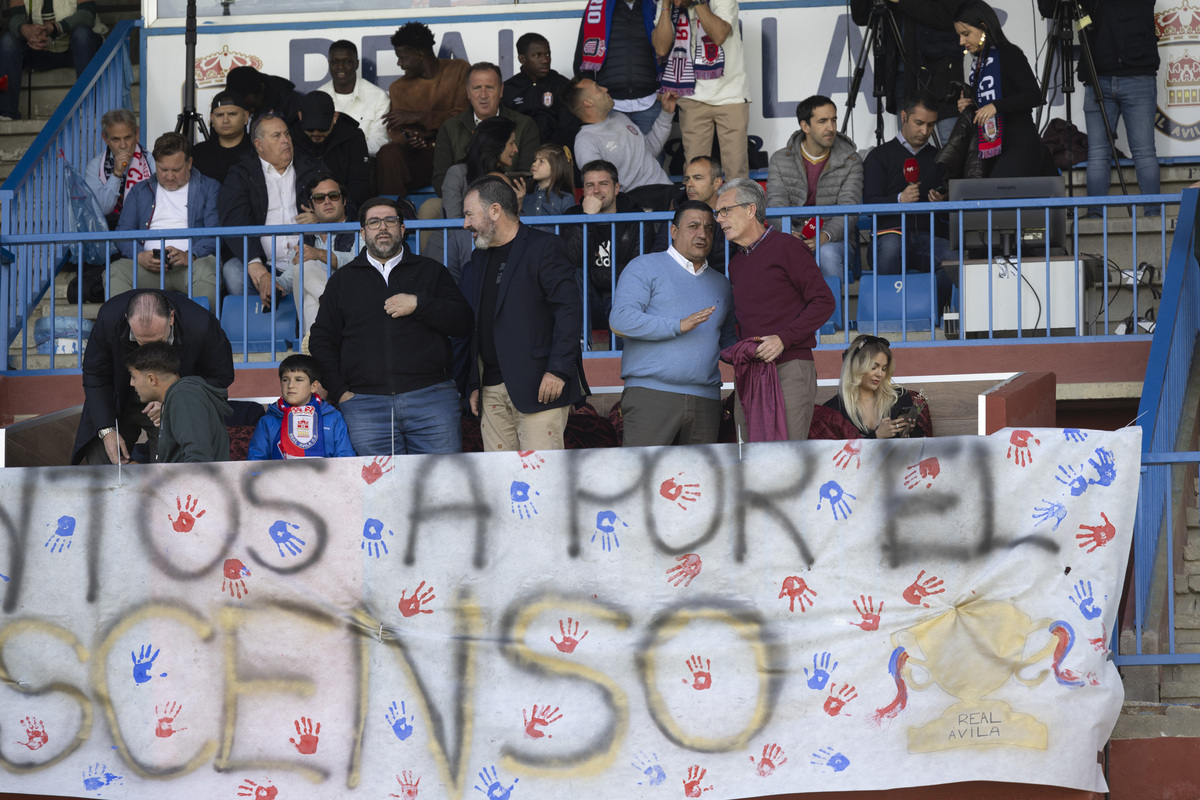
{"x":820,"y":167}
{"x":193,"y":411}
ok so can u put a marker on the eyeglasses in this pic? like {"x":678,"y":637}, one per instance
{"x":723,"y":212}
{"x":320,"y":198}
{"x":373,"y":224}
{"x":866,"y":339}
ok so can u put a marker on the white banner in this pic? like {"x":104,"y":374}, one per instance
{"x":633,"y":623}
{"x":791,"y":53}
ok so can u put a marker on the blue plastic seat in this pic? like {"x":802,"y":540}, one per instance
{"x":258,"y":324}
{"x":903,"y":300}
{"x":835,"y":322}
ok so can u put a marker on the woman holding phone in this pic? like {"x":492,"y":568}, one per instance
{"x":866,"y":396}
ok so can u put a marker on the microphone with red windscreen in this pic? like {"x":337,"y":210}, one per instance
{"x":912,"y":170}
{"x":811,"y":228}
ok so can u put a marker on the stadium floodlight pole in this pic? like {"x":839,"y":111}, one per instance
{"x":189,"y":119}
{"x":1066,"y":20}
{"x":880,"y":14}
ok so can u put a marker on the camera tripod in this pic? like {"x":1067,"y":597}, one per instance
{"x":189,"y":119}
{"x":880,"y":15}
{"x":1067,"y":19}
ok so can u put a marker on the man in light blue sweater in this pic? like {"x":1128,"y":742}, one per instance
{"x":676,"y":315}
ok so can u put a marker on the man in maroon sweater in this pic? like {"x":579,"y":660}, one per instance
{"x":779,"y":297}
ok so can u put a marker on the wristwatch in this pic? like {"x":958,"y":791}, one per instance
{"x":106,"y":431}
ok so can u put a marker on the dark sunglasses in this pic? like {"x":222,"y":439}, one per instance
{"x":320,"y":198}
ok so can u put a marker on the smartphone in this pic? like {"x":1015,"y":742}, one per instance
{"x":157,"y":253}
{"x":911,"y":413}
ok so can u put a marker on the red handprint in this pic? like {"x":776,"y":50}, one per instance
{"x":870,"y":617}
{"x":234,"y":569}
{"x":166,"y":720}
{"x":680,"y":493}
{"x":691,"y":784}
{"x":251,"y":789}
{"x":837,"y":700}
{"x":411,"y":606}
{"x":1100,"y":643}
{"x":530,"y":459}
{"x":570,"y":636}
{"x":375,"y":470}
{"x":35,"y":733}
{"x":689,"y":567}
{"x":770,"y":760}
{"x":928,"y":468}
{"x":849,"y":452}
{"x":701,"y":678}
{"x":794,"y":588}
{"x":1018,"y":447}
{"x":308,"y":737}
{"x":920,"y":589}
{"x":542,"y":718}
{"x":408,"y":787}
{"x":1100,"y":534}
{"x":187,"y":516}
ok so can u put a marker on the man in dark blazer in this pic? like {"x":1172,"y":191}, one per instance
{"x":526,"y":358}
{"x":113,"y":418}
{"x":245,"y":202}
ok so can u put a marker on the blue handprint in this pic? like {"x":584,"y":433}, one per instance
{"x":1074,"y":434}
{"x":522,"y":506}
{"x":648,"y":765}
{"x":1071,"y":479}
{"x":143,"y":662}
{"x":832,"y":492}
{"x":825,"y":757}
{"x":1083,"y":598}
{"x":400,"y":722}
{"x":97,"y":776}
{"x":1106,"y":469}
{"x":1050,"y":511}
{"x":820,"y":673}
{"x":494,"y":790}
{"x":606,"y":529}
{"x":61,"y":538}
{"x":373,"y":538}
{"x":285,"y":538}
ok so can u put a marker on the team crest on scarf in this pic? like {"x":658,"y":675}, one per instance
{"x":301,"y":431}
{"x":300,"y":428}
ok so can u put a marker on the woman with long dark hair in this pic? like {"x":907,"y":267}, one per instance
{"x":1004,"y":91}
{"x":493,"y":148}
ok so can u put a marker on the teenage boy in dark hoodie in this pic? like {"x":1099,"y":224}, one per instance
{"x":192,"y":425}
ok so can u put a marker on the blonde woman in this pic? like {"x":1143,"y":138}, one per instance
{"x":866,"y":396}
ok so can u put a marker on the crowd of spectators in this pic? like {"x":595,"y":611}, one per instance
{"x":494,"y":150}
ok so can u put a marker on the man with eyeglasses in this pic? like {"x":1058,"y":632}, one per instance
{"x":322,"y":252}
{"x":780,"y":299}
{"x":382,"y":340}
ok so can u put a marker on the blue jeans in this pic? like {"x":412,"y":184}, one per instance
{"x":425,"y":420}
{"x":1135,"y":98}
{"x":645,"y":119}
{"x":831,"y":258}
{"x":15,"y":54}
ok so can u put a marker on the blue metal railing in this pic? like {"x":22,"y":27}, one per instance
{"x":34,"y":200}
{"x":1032,"y":280}
{"x":1160,"y":415}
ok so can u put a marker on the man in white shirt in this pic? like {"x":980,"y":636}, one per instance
{"x":360,"y":99}
{"x":266,"y":188}
{"x":177,"y":196}
{"x":705,"y":67}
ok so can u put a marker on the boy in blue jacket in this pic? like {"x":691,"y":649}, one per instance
{"x":300,"y":424}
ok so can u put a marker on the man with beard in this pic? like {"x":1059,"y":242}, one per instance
{"x":526,"y":358}
{"x":388,"y":365}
